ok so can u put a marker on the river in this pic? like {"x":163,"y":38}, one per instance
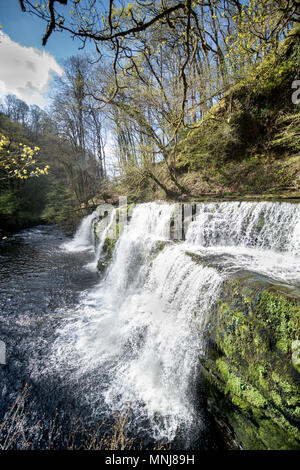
{"x":131,"y":339}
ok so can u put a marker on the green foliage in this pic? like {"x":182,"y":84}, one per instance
{"x":61,"y":206}
{"x":7,"y":202}
{"x":249,"y":141}
{"x":288,"y":137}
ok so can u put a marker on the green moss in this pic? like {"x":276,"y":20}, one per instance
{"x":106,"y":254}
{"x":158,"y":247}
{"x":283,"y":316}
{"x":255,"y":332}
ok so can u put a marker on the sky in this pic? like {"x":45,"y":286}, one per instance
{"x":26,"y":67}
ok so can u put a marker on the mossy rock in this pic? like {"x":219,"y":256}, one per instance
{"x":158,"y":247}
{"x":106,"y":254}
{"x":252,"y":363}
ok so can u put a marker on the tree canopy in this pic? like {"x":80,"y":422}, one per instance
{"x":158,"y":70}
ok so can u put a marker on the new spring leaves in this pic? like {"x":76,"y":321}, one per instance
{"x":19,"y":161}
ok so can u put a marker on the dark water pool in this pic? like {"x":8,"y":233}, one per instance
{"x":39,"y":282}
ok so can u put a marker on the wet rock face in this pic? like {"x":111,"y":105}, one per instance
{"x":252,"y":364}
{"x":106,"y":254}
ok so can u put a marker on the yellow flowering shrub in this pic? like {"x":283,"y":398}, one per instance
{"x":19,"y":162}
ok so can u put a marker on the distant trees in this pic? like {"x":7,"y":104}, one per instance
{"x":31,"y":144}
{"x":69,"y":140}
{"x":32,"y":117}
{"x":74,"y":132}
{"x":16,"y":109}
{"x":79,"y":125}
{"x":169,"y":62}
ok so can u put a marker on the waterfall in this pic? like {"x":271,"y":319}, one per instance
{"x":135,"y":338}
{"x":105,"y":232}
{"x":150,"y":224}
{"x":264,"y":225}
{"x":107,"y":224}
{"x":83,"y":239}
{"x":263,"y":237}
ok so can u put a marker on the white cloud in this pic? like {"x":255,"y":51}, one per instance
{"x":25,"y":71}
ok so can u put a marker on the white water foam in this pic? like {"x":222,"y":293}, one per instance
{"x":263,"y":237}
{"x":136,"y":337}
{"x":83,"y":239}
{"x":265,"y":225}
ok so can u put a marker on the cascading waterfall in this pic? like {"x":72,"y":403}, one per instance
{"x":263,"y":237}
{"x":83,"y":239}
{"x":104,"y":233}
{"x":263,"y":225}
{"x":136,"y":337}
{"x":108,"y":224}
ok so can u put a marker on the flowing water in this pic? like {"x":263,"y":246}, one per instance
{"x":132,"y":338}
{"x":83,"y":239}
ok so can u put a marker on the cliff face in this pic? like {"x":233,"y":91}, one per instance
{"x":253,"y":363}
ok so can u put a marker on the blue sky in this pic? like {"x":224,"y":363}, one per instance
{"x":26,"y":67}
{"x":28,"y":30}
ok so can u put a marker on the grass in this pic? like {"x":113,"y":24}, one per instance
{"x":20,"y":431}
